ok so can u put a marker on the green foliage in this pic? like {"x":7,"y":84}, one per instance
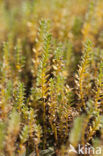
{"x":20,"y":97}
{"x":82,"y":77}
{"x":24,"y":134}
{"x":75,"y":135}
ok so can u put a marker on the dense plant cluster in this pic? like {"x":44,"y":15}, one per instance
{"x":51,"y":76}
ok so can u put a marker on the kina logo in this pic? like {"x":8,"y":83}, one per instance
{"x":72,"y":149}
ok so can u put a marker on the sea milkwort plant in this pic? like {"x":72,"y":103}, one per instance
{"x":51,"y":77}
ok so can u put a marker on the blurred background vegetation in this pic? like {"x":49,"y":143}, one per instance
{"x":72,"y":21}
